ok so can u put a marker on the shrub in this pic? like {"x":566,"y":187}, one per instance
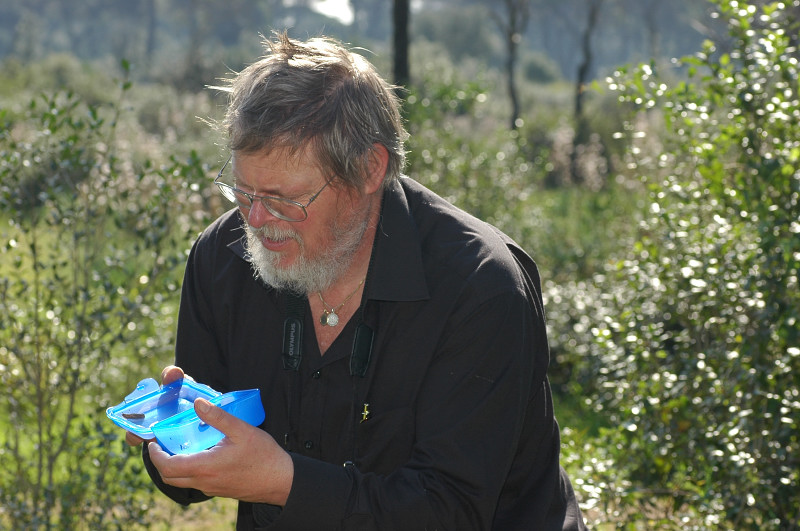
{"x":88,"y":286}
{"x":693,"y":335}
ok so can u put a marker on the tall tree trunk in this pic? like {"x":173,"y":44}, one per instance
{"x":193,"y":76}
{"x":585,"y":67}
{"x":400,"y":17}
{"x":582,"y":132}
{"x":518,"y":12}
{"x":512,"y":42}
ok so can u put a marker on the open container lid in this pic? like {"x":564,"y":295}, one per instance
{"x":167,"y":414}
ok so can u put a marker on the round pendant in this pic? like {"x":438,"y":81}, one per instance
{"x":332,"y":319}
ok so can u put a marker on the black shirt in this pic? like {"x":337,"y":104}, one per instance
{"x":450,"y":427}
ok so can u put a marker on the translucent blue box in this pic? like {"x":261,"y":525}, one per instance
{"x":167,"y":414}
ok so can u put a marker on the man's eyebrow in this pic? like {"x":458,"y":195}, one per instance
{"x":250,"y":189}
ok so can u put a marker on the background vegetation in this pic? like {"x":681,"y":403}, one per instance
{"x":664,"y":217}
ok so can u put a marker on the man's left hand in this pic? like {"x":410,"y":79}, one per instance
{"x":247,"y":464}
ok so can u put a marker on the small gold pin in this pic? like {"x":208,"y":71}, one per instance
{"x":365,"y":412}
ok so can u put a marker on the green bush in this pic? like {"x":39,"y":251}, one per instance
{"x":58,"y":71}
{"x":90,"y":266}
{"x":691,"y":340}
{"x":461,"y":148}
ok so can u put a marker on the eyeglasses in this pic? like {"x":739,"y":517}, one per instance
{"x":280,"y":207}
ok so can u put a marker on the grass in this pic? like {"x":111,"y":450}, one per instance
{"x":217,"y":514}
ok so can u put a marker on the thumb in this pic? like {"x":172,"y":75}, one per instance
{"x":218,"y":418}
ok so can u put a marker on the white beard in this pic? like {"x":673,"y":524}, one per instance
{"x":305,"y":275}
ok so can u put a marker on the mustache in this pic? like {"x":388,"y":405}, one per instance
{"x":274,"y":233}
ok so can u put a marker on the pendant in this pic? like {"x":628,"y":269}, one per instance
{"x":329,"y":318}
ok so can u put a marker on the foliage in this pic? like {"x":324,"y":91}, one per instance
{"x":691,"y":339}
{"x":91,"y":256}
{"x":56,"y":71}
{"x":687,"y":345}
{"x":474,"y":172}
{"x":460,"y":148}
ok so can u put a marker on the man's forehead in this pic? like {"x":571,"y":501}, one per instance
{"x":279,"y":158}
{"x":279,"y":169}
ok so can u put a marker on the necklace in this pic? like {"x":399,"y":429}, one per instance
{"x":329,"y":316}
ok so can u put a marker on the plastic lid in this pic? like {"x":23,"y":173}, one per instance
{"x":167,"y":413}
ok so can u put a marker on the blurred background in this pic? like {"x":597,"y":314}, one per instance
{"x":644,"y":152}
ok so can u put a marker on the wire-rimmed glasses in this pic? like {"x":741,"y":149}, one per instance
{"x":280,"y":207}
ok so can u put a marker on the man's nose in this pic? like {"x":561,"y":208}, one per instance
{"x":258,"y":215}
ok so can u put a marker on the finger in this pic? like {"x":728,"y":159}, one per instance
{"x":162,"y":461}
{"x":157,"y":455}
{"x":171,"y":373}
{"x":133,"y":440}
{"x":176,"y":470}
{"x":219,"y":418}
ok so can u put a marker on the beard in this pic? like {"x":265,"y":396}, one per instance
{"x":307,"y":274}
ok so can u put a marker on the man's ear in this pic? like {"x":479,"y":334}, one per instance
{"x":377,"y":164}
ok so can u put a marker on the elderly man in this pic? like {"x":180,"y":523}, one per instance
{"x":399,"y":343}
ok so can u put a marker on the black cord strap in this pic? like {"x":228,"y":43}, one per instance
{"x":293,"y":333}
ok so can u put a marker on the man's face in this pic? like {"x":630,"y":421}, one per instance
{"x":308,"y":255}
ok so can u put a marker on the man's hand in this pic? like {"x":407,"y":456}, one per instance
{"x":247,"y":464}
{"x":168,"y":375}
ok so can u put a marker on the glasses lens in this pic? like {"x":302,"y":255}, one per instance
{"x":284,"y":209}
{"x":235,"y":195}
{"x":241,"y":198}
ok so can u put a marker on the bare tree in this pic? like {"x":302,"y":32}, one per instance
{"x":651,"y":16}
{"x":585,"y":67}
{"x":582,"y":129}
{"x":513,"y":23}
{"x":400,"y":16}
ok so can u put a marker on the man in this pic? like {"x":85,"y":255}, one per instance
{"x":398,"y":343}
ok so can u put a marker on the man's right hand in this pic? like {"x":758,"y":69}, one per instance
{"x":168,"y":375}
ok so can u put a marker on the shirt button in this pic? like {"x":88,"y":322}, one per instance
{"x":316,"y":375}
{"x":309,"y":445}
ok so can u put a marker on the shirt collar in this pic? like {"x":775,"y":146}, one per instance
{"x":397,"y":272}
{"x":237,"y":246}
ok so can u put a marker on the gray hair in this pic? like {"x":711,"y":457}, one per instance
{"x":318,"y":95}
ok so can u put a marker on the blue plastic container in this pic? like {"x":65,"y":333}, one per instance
{"x":167,"y":414}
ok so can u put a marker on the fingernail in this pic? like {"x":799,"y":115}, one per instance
{"x":202,"y":405}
